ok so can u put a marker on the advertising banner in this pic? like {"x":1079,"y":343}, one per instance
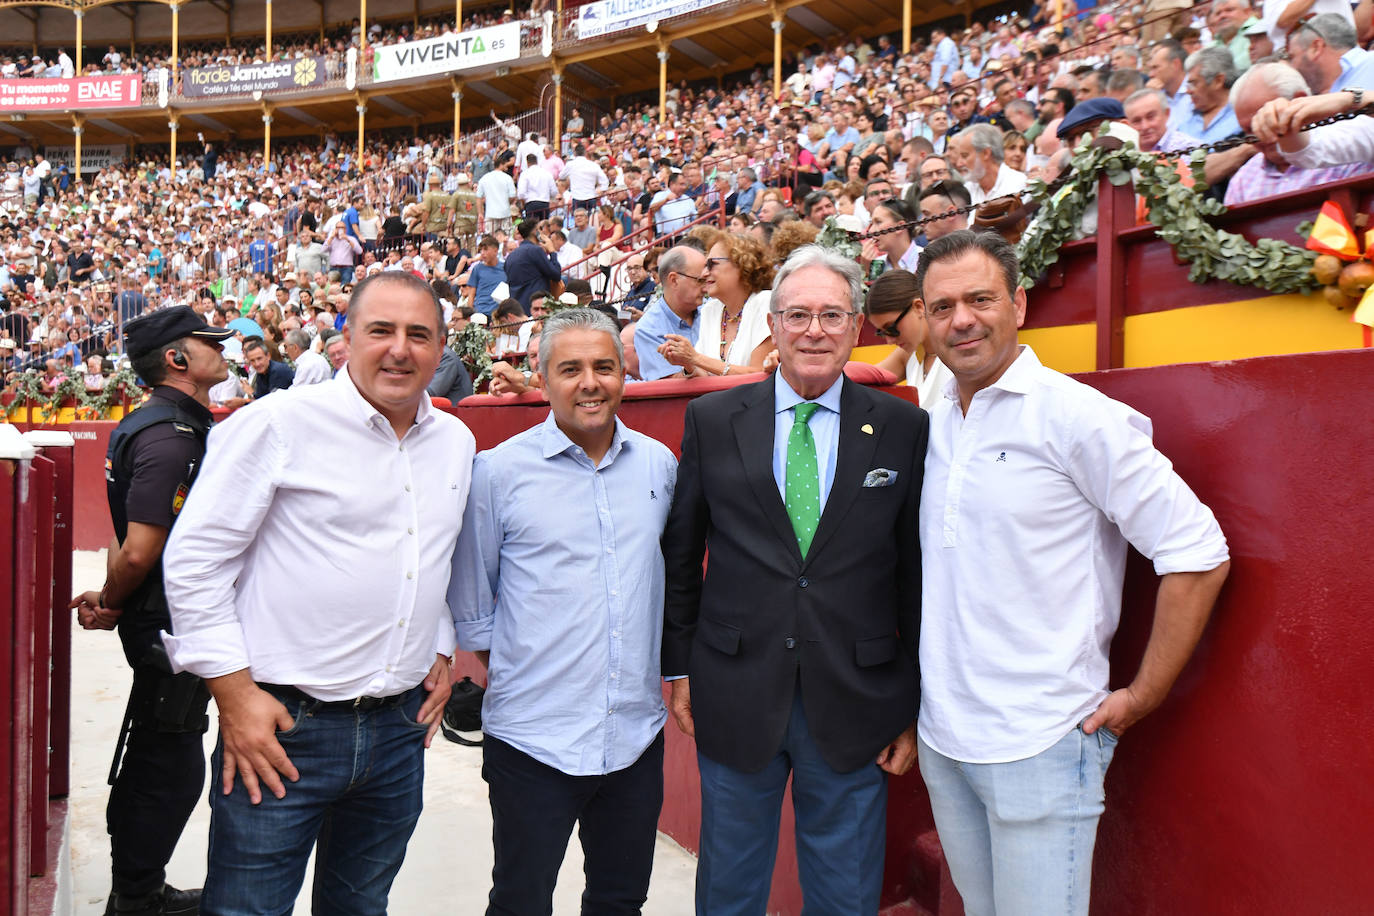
{"x":241,"y":79}
{"x":447,"y":53}
{"x":25,"y":94}
{"x":602,"y":17}
{"x":94,"y":156}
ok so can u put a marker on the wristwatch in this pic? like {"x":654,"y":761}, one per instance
{"x":1359,"y":96}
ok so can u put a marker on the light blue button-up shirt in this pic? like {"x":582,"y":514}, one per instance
{"x":653,"y":327}
{"x":559,"y":574}
{"x":825,"y":430}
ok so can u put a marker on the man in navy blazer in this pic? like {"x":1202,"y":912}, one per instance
{"x":269,"y":375}
{"x":795,"y":651}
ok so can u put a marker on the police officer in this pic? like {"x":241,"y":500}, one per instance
{"x":152,"y":461}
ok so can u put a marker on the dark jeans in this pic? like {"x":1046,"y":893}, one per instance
{"x":533,"y":810}
{"x":357,"y":801}
{"x":158,"y":786}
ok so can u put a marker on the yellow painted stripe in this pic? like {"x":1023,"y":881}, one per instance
{"x":1232,"y":330}
{"x":1239,"y":330}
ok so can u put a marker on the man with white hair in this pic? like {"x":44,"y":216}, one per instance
{"x":977,"y":154}
{"x":1268,"y":172}
{"x":1147,"y":111}
{"x":311,"y":367}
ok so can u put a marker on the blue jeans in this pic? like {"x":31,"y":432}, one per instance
{"x":841,"y":821}
{"x":357,"y":800}
{"x":1019,"y":836}
{"x":345,"y":272}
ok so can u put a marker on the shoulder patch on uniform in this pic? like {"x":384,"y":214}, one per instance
{"x":179,"y":499}
{"x":184,"y":428}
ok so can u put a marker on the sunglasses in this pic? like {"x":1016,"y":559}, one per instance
{"x":713,"y":263}
{"x":890,"y":332}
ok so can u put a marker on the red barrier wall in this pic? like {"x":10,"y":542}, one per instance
{"x":1249,"y":790}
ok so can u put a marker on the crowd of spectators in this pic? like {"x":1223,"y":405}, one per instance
{"x":862,"y":138}
{"x":331,"y":43}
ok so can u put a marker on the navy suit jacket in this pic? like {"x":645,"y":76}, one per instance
{"x":843,"y":623}
{"x":278,"y":375}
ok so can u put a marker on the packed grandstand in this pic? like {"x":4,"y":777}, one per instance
{"x":851,"y":137}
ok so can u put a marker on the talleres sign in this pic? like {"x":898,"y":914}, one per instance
{"x":447,"y":53}
{"x":277,"y":75}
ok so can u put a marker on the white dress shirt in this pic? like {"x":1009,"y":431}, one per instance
{"x":537,"y":184}
{"x":1336,"y":144}
{"x":585,"y":178}
{"x":1009,"y":181}
{"x":311,"y":369}
{"x":318,"y":472}
{"x":1028,"y":504}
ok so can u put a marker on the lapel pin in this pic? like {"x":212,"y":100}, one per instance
{"x":866,"y":429}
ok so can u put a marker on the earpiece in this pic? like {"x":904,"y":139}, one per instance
{"x":179,"y":360}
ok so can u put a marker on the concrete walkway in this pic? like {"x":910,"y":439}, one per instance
{"x":447,"y":871}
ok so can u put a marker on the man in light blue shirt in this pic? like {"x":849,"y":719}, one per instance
{"x":565,"y":609}
{"x":946,"y":59}
{"x":1211,"y":72}
{"x":680,"y":273}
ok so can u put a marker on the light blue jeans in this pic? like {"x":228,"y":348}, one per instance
{"x":1019,"y":836}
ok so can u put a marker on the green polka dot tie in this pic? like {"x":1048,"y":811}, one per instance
{"x":803,"y":484}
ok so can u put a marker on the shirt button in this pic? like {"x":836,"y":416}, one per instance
{"x":410,"y":575}
{"x":407,"y":488}
{"x":803,"y":582}
{"x":401,"y":447}
{"x":410,"y":531}
{"x":790,"y":643}
{"x":400,"y":623}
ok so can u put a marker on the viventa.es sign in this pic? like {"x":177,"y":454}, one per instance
{"x":447,"y":53}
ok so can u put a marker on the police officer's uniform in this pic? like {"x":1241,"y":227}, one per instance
{"x":152,"y":461}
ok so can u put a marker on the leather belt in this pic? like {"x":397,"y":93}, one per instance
{"x":357,"y":704}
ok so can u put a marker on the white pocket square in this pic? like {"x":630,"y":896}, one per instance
{"x":880,"y":477}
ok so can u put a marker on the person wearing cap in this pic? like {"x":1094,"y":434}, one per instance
{"x":152,"y":462}
{"x":436,"y":208}
{"x":1087,"y":117}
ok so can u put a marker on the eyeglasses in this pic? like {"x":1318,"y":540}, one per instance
{"x":890,"y":332}
{"x":690,"y":277}
{"x":798,"y":320}
{"x":713,"y":263}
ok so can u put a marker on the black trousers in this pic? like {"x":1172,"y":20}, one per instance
{"x":159,"y":783}
{"x":534,"y":808}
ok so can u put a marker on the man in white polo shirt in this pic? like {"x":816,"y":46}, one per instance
{"x":1034,"y":486}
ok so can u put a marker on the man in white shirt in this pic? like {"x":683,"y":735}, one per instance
{"x":976,"y":152}
{"x":586,"y":179}
{"x":495,"y":192}
{"x":311,"y":368}
{"x":1034,"y":486}
{"x":329,"y":686}
{"x":536,"y":188}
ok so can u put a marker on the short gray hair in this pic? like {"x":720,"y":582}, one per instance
{"x":1274,"y":75}
{"x":816,"y":256}
{"x":672,"y":261}
{"x":298,"y":339}
{"x":1332,"y":28}
{"x":1142,"y":94}
{"x":574,"y":319}
{"x":1211,"y":62}
{"x":984,"y":137}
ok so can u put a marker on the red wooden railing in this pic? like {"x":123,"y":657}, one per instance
{"x":35,"y":661}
